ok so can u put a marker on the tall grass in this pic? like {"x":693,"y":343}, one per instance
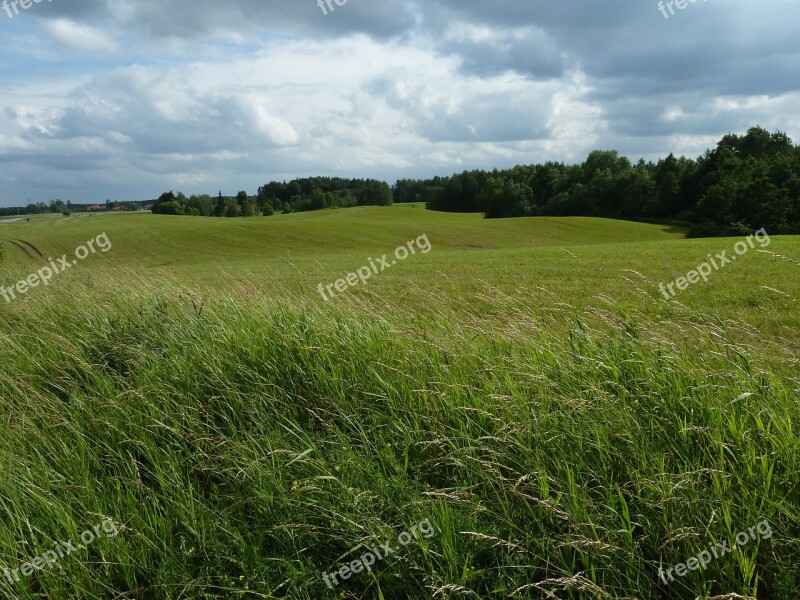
{"x":244,"y":446}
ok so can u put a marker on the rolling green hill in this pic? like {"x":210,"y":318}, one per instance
{"x":556,"y":262}
{"x":148,"y":240}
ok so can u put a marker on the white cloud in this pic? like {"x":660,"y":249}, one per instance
{"x":79,"y":36}
{"x":125,"y":99}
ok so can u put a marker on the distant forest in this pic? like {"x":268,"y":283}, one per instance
{"x":299,"y":195}
{"x":67,"y":208}
{"x":747,"y":182}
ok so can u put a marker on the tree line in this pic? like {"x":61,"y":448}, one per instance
{"x":67,"y":208}
{"x":745,"y":183}
{"x":299,"y":195}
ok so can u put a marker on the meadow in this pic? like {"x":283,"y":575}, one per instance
{"x":525,"y":386}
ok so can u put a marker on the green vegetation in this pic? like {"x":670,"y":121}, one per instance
{"x":745,"y":183}
{"x":67,"y":208}
{"x":299,"y":195}
{"x":524,"y":385}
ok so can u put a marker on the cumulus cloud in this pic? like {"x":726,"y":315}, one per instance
{"x":78,"y":36}
{"x":111,"y":98}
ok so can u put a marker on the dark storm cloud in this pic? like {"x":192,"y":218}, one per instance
{"x":208,"y":18}
{"x":626,"y":45}
{"x":90,"y":10}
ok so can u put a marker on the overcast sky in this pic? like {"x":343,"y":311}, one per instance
{"x":124,"y":99}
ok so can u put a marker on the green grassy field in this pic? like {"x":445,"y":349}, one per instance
{"x":524,"y":386}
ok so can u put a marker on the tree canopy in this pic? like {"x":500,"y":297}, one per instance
{"x":745,"y":183}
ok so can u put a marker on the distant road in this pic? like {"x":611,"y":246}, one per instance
{"x":11,"y":220}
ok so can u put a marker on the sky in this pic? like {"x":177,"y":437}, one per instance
{"x":122,"y":100}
